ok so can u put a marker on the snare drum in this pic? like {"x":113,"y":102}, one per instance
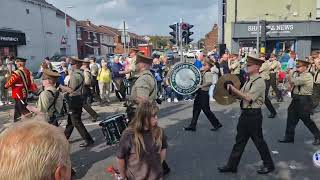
{"x":112,"y":128}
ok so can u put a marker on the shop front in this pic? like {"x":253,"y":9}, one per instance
{"x":9,"y":40}
{"x":303,"y":37}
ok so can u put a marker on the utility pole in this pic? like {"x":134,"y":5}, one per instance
{"x":258,"y":36}
{"x":125,"y":36}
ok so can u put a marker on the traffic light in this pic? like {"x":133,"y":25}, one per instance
{"x":174,"y":33}
{"x":263,"y":31}
{"x":186,"y":33}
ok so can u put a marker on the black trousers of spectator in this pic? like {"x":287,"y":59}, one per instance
{"x":267,"y":101}
{"x":273,"y":82}
{"x":121,"y":89}
{"x":250,"y":126}
{"x":300,"y":108}
{"x":95,"y":88}
{"x":20,"y":109}
{"x":87,"y":95}
{"x":74,"y":119}
{"x":201,"y":102}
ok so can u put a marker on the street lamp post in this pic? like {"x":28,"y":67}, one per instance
{"x":66,"y":28}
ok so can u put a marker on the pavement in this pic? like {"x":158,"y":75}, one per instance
{"x":196,"y":155}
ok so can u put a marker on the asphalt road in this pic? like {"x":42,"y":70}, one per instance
{"x":196,"y":155}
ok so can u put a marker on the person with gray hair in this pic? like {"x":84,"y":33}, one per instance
{"x":34,"y":150}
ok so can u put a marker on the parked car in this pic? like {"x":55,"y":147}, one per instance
{"x":56,"y":61}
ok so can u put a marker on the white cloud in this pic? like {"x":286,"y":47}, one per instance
{"x":145,"y":16}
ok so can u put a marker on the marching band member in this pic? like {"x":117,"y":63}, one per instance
{"x":50,"y":101}
{"x":265,"y":75}
{"x":250,"y":121}
{"x":21,"y":84}
{"x":201,"y":101}
{"x":301,"y":104}
{"x":316,"y":84}
{"x":274,"y":69}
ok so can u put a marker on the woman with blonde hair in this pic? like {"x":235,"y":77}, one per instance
{"x":143,"y":145}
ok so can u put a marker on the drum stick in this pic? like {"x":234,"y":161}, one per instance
{"x":117,"y":89}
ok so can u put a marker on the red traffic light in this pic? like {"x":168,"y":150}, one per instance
{"x":184,"y":26}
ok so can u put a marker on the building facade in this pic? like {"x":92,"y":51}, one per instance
{"x":134,"y":40}
{"x":290,"y":25}
{"x":211,"y":38}
{"x":88,"y":39}
{"x":36,"y":29}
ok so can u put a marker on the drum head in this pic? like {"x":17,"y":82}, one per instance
{"x":184,"y":78}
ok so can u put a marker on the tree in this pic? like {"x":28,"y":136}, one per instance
{"x":159,"y":42}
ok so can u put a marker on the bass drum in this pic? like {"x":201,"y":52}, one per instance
{"x":184,"y":78}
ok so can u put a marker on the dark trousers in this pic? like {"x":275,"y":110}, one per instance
{"x":20,"y":109}
{"x":87,"y":95}
{"x":267,"y":101}
{"x":95,"y":86}
{"x":121,"y":89}
{"x":300,"y":108}
{"x":74,"y":121}
{"x":316,"y":95}
{"x":201,"y":102}
{"x":250,"y":126}
{"x":273,"y":82}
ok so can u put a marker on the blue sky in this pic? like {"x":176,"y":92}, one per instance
{"x":150,"y":17}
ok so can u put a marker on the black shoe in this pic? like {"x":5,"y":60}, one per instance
{"x":189,"y":128}
{"x":73,"y":172}
{"x":166,"y":171}
{"x":217,"y":127}
{"x":316,"y":141}
{"x":225,"y":169}
{"x":265,"y":170}
{"x":286,"y":140}
{"x":87,"y":144}
{"x":272,"y":115}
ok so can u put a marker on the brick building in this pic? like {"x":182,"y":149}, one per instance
{"x":88,"y":39}
{"x":211,"y":39}
{"x":135,"y":39}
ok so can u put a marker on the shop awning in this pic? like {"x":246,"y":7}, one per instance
{"x":10,"y":38}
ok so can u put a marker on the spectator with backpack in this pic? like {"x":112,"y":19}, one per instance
{"x":50,"y":103}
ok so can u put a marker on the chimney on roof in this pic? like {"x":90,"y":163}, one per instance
{"x":88,"y":22}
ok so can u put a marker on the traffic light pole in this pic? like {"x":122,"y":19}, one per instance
{"x":258,"y":36}
{"x":180,"y":42}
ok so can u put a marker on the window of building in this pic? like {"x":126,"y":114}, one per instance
{"x":78,"y":33}
{"x":318,"y":10}
{"x":89,"y":35}
{"x":95,"y":39}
